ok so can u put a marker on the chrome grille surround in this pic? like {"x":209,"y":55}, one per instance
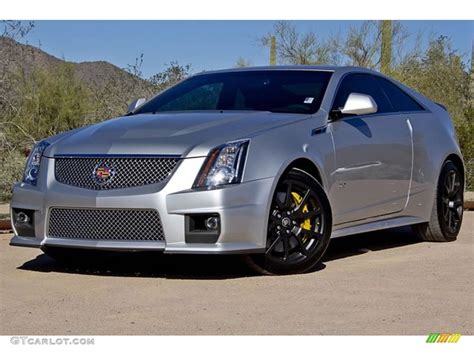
{"x":130,"y":171}
{"x":105,"y":224}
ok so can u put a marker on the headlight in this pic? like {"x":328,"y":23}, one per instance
{"x":33,"y":163}
{"x":223,"y":166}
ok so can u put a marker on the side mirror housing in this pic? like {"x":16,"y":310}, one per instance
{"x":135,"y":103}
{"x":359,"y":104}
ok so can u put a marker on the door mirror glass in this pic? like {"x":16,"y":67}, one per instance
{"x":135,"y":103}
{"x":359,"y":104}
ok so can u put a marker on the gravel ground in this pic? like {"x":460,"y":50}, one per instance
{"x":4,"y":208}
{"x":376,"y":283}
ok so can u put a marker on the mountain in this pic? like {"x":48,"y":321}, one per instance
{"x":112,"y":84}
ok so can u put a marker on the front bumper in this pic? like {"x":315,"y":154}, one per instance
{"x":243,"y":211}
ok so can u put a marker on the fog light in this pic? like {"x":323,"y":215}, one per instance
{"x":212,"y":223}
{"x":202,"y":228}
{"x":23,"y":222}
{"x":22,"y":217}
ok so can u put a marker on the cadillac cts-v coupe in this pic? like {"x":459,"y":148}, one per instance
{"x":267,"y":162}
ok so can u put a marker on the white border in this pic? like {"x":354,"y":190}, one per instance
{"x":239,"y":10}
{"x":236,"y":10}
{"x":246,"y":345}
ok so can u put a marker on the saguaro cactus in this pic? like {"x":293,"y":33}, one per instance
{"x":386,"y":50}
{"x":273,"y":51}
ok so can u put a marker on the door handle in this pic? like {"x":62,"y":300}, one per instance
{"x":318,"y":130}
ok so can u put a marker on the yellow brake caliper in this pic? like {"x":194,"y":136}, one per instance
{"x":297,"y":199}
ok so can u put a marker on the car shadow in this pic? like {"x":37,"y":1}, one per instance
{"x":352,"y":245}
{"x":215,"y":267}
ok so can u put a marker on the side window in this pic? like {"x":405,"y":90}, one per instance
{"x":204,"y":97}
{"x":361,"y":84}
{"x":400,"y":100}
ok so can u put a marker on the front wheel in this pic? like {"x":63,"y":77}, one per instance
{"x":299,"y":227}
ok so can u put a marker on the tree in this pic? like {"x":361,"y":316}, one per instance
{"x":13,"y":31}
{"x":440,"y":74}
{"x":50,"y":102}
{"x":361,"y":46}
{"x":471,"y":84}
{"x":293,"y":47}
{"x":242,"y":63}
{"x":173,"y":74}
{"x":363,"y":43}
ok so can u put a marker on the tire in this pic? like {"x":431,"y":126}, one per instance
{"x":299,"y":227}
{"x":75,"y":256}
{"x":447,"y":211}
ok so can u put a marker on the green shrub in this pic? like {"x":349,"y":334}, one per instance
{"x":13,"y":164}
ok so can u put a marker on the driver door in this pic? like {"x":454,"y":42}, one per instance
{"x":373,"y":154}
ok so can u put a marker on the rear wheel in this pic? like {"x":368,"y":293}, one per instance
{"x":299,"y":227}
{"x":447,"y":212}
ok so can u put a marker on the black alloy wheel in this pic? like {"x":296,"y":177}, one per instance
{"x":299,"y":226}
{"x":452,"y":202}
{"x":447,"y":212}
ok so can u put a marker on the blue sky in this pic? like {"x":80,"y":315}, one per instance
{"x":204,"y":44}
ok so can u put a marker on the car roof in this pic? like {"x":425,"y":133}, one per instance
{"x":331,"y":68}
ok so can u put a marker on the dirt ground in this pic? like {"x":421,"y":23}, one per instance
{"x":377,"y":283}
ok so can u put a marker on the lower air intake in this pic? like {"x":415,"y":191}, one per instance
{"x":105,"y":224}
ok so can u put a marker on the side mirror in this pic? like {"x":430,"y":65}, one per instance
{"x":135,"y":104}
{"x":359,"y":104}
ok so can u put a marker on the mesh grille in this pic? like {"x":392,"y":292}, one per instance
{"x":126,"y":172}
{"x":105,"y":224}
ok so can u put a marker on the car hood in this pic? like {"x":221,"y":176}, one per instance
{"x":186,"y":134}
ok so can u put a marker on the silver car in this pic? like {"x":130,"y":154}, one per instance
{"x":268,"y":162}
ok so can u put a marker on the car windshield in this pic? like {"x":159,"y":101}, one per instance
{"x":290,"y":91}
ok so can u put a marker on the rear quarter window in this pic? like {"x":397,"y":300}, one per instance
{"x":400,"y":100}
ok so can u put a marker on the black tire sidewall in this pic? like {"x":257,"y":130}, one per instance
{"x":447,"y":167}
{"x":271,"y":267}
